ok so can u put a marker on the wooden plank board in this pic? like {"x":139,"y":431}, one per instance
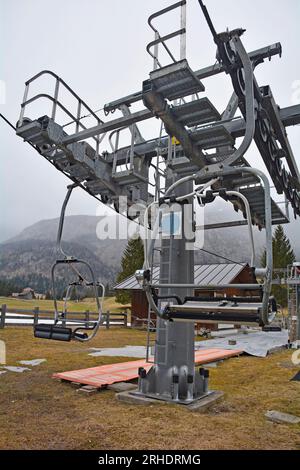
{"x":101,"y":376}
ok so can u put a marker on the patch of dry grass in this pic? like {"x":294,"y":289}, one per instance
{"x":37,"y":412}
{"x":86,"y":304}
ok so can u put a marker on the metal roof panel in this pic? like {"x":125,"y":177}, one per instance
{"x":205,"y":274}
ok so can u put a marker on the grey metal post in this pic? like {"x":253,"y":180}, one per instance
{"x":3,"y":313}
{"x":298,"y":312}
{"x":172,"y":377}
{"x":87,"y":315}
{"x":64,"y":318}
{"x":155,"y":60}
{"x":20,"y":122}
{"x":174,"y":352}
{"x":296,"y":306}
{"x":183,"y":35}
{"x":53,"y":114}
{"x":35,"y":315}
{"x":293,"y":282}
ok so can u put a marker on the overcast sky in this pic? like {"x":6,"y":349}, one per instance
{"x":98,"y":48}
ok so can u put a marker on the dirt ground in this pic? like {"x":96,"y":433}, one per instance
{"x":38,"y":412}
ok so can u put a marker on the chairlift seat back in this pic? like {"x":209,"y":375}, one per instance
{"x":58,"y":333}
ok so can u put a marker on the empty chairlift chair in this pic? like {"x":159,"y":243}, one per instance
{"x":87,"y":328}
{"x":259,"y":308}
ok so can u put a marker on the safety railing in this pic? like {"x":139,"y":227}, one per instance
{"x":283,"y":202}
{"x":158,"y":39}
{"x":293,"y":273}
{"x":75,"y":119}
{"x":115,"y":147}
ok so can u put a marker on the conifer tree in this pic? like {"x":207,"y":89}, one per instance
{"x":283,"y":255}
{"x":132,"y":259}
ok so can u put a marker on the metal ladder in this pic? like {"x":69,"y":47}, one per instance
{"x":293,"y":282}
{"x":162,"y":327}
{"x":292,"y":308}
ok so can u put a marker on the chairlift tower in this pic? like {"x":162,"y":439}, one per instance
{"x":195,"y":155}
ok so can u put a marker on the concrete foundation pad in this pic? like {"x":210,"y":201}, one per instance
{"x":122,"y":387}
{"x":131,"y":399}
{"x":282,"y":418}
{"x":200,"y":405}
{"x":203,"y":404}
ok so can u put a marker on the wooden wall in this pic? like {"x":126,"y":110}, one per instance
{"x":140,"y":304}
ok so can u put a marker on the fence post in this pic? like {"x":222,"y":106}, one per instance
{"x":125,"y":319}
{"x":3,"y":313}
{"x":64,"y":320}
{"x":107,"y":319}
{"x":36,"y":315}
{"x":87,"y":315}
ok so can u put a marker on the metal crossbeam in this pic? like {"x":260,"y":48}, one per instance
{"x":108,"y":126}
{"x":289,"y":116}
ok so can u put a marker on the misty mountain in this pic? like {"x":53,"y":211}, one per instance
{"x":81,"y":232}
{"x":26,"y":259}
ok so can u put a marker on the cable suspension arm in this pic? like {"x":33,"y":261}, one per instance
{"x":209,"y":22}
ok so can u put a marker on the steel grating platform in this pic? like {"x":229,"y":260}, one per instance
{"x":77,"y":160}
{"x":183,"y":166}
{"x":126,"y":177}
{"x":176,"y":81}
{"x":102,"y":376}
{"x":196,"y":112}
{"x":212,"y":137}
{"x":32,"y":132}
{"x":255,"y":196}
{"x":96,"y":186}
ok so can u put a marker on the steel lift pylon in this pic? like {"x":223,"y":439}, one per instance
{"x":195,"y":157}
